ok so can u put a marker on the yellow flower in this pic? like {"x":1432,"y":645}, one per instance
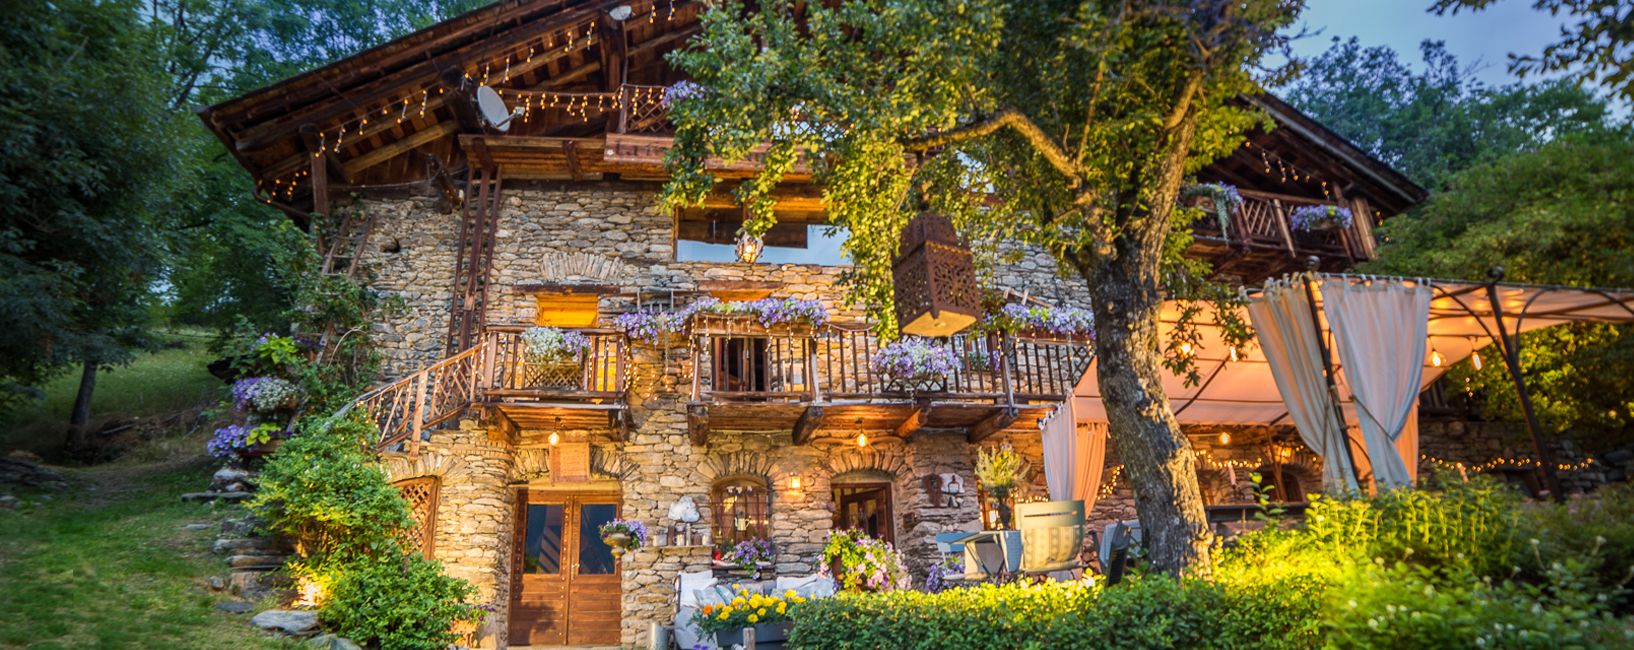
{"x":790,"y":594}
{"x":754,"y":619}
{"x":799,"y":599}
{"x":724,"y":614}
{"x":739,"y":601}
{"x":782,"y":608}
{"x":756,"y":601}
{"x":762,"y":612}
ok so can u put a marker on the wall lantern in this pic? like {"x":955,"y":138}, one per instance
{"x":794,"y":483}
{"x":935,"y":278}
{"x":749,"y":248}
{"x":555,"y":438}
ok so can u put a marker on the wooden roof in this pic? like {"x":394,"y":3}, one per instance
{"x":591,"y":76}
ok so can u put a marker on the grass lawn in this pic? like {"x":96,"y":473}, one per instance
{"x":108,"y":564}
{"x":159,"y":382}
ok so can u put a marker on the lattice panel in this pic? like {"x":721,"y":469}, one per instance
{"x":421,"y":494}
{"x":566,"y":374}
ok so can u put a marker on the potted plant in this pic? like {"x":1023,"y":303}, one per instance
{"x":623,"y":535}
{"x":1000,"y":472}
{"x":244,"y":441}
{"x":749,"y":554}
{"x":859,"y":562}
{"x":1311,"y":218}
{"x":554,"y":356}
{"x":913,"y":364}
{"x":1219,"y":198}
{"x":1037,"y":321}
{"x":771,"y":616}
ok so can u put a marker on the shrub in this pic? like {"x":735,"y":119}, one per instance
{"x":1448,"y":524}
{"x":1150,"y":612}
{"x":323,"y":491}
{"x":1596,"y":530}
{"x":864,"y":562}
{"x":397,"y":603}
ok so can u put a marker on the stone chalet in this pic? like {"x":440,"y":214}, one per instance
{"x":777,"y":433}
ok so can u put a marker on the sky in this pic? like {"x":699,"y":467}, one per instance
{"x":1484,"y":38}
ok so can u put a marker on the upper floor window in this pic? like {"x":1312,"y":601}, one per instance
{"x":710,"y":235}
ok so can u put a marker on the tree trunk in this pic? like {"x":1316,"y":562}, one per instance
{"x":79,"y":420}
{"x":1156,"y":456}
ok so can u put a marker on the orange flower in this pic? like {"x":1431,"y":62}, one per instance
{"x":708,"y":609}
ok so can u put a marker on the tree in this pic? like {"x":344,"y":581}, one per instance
{"x":1559,"y":215}
{"x":1433,"y":123}
{"x":1079,"y":118}
{"x":81,"y":237}
{"x":1600,"y":44}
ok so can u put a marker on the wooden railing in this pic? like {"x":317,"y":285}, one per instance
{"x":405,"y":408}
{"x":600,"y":373}
{"x":642,"y":110}
{"x":1263,"y":221}
{"x":494,"y":368}
{"x":837,"y":365}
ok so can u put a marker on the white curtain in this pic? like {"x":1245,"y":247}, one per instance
{"x":1284,"y":326}
{"x":1074,"y":454}
{"x":1380,"y":327}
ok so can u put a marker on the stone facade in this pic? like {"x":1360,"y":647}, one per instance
{"x":611,"y":234}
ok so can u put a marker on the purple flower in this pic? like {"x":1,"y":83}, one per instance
{"x":915,"y":357}
{"x":1312,"y":217}
{"x":635,"y":529}
{"x":680,"y":91}
{"x":749,"y":552}
{"x":244,"y":391}
{"x":1065,"y":322}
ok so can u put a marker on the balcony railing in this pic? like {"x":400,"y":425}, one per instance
{"x":1262,"y":221}
{"x":600,"y":372}
{"x":837,"y":365}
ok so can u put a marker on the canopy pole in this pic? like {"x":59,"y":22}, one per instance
{"x":1510,"y":348}
{"x":1328,"y":373}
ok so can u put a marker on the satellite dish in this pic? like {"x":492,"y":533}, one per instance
{"x":492,"y":108}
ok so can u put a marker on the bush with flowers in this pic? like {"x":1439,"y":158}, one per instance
{"x":747,"y":609}
{"x":1319,"y":217}
{"x":1037,"y":320}
{"x":635,"y":531}
{"x":748,"y":553}
{"x":650,"y":326}
{"x":859,"y":562}
{"x":552,"y":345}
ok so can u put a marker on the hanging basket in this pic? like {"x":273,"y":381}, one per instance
{"x":917,"y":384}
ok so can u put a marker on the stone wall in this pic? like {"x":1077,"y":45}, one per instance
{"x":475,"y":512}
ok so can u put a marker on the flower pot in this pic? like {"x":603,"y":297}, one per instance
{"x":617,"y":542}
{"x":768,"y":636}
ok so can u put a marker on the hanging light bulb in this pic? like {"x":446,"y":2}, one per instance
{"x":1185,"y":349}
{"x":1233,"y":353}
{"x":1225,"y":437}
{"x":1474,"y":354}
{"x":862,"y":440}
{"x":749,"y":248}
{"x":1435,"y":357}
{"x":555,"y":438}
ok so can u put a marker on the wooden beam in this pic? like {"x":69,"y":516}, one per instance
{"x":698,"y":424}
{"x":993,"y":424}
{"x":390,"y":151}
{"x":309,"y":138}
{"x":914,"y":422}
{"x":462,"y":100}
{"x":571,"y":148}
{"x":808,"y":424}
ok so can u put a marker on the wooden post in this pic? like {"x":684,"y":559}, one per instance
{"x":811,"y":370}
{"x":419,"y":413}
{"x":748,"y":638}
{"x":1282,"y":227}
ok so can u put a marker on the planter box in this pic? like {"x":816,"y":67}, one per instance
{"x":768,"y":636}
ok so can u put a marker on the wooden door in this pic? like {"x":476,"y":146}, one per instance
{"x":566,"y":586}
{"x":865,"y":507}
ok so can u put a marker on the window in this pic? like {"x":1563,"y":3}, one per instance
{"x":710,"y":235}
{"x":421,"y":494}
{"x":566,"y":309}
{"x":740,"y":364}
{"x":742,"y":510}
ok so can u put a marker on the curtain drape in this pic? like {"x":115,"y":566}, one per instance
{"x":1284,"y":327}
{"x":1379,"y":327}
{"x":1074,"y":455}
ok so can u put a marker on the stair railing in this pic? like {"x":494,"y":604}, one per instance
{"x":404,"y":409}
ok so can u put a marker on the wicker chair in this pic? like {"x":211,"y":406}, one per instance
{"x":1052,"y":536}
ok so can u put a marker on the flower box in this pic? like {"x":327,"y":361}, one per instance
{"x":768,"y":636}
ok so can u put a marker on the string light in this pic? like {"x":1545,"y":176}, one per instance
{"x":1474,"y":355}
{"x":1436,"y":359}
{"x":1505,"y":462}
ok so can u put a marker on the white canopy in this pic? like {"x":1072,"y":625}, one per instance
{"x":1461,"y":321}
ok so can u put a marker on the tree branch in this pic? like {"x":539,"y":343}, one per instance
{"x":1006,"y":118}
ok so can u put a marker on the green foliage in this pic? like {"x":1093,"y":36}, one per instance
{"x":1467,"y":526}
{"x":1433,"y":121}
{"x":324,"y":491}
{"x":1560,"y":215}
{"x":1594,"y":531}
{"x":1150,"y":612}
{"x":397,"y":603}
{"x":1000,"y":470}
{"x":865,"y":563}
{"x":1598,"y":46}
{"x":81,"y":236}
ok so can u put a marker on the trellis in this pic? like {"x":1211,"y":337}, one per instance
{"x":421,"y":494}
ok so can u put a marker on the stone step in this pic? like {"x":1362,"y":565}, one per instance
{"x":205,"y":497}
{"x":255,"y":561}
{"x":249,"y":546}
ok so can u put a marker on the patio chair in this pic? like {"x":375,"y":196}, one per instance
{"x":1052,"y":536}
{"x":1115,"y":548}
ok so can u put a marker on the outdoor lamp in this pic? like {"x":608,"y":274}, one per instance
{"x":749,"y":248}
{"x":862,"y":440}
{"x":555,"y":438}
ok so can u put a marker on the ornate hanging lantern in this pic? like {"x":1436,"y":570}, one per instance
{"x":935,"y":278}
{"x":749,"y":247}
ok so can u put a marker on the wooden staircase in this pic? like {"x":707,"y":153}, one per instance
{"x":404,"y":409}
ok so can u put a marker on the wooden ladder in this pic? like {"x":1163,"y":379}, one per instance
{"x":479,"y":218}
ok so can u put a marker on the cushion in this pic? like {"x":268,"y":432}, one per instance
{"x":812,"y":586}
{"x":690,"y":583}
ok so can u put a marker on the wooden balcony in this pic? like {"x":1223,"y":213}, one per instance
{"x":822,"y":385}
{"x":1258,"y":240}
{"x":587,"y":394}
